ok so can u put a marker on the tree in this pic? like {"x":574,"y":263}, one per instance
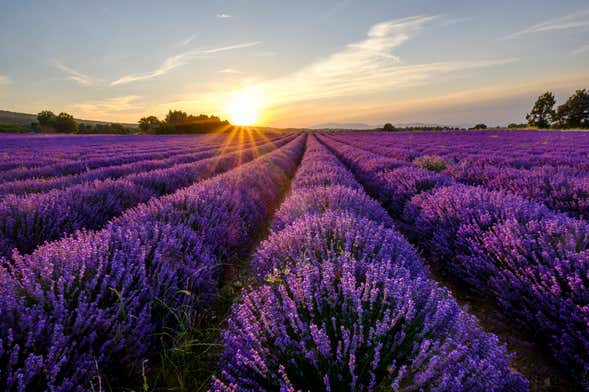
{"x":47,"y":120}
{"x":388,"y":127}
{"x":574,"y":113}
{"x":515,"y":125}
{"x":150,"y":123}
{"x":176,"y":117}
{"x":479,"y":126}
{"x":542,"y":113}
{"x":65,"y":123}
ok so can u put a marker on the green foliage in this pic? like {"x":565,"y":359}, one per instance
{"x":13,"y":128}
{"x":47,"y":120}
{"x":46,"y":117}
{"x":542,"y":113}
{"x":431,"y":162}
{"x":105,"y":128}
{"x":388,"y":127}
{"x":178,"y":121}
{"x":574,"y":113}
{"x":176,"y":117}
{"x":65,"y":123}
{"x":149,"y":124}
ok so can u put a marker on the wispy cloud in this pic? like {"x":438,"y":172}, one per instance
{"x":178,"y":60}
{"x":5,"y":79}
{"x":76,"y":76}
{"x":106,"y":107}
{"x":571,"y":21}
{"x":186,"y":41}
{"x":580,"y":50}
{"x":230,"y":71}
{"x":364,"y":67}
{"x":224,"y":16}
{"x":455,"y":21}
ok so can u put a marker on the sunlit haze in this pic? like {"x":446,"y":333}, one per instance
{"x":293,"y":64}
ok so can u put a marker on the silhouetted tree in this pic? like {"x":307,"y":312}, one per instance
{"x":177,"y":121}
{"x":47,"y":120}
{"x":542,"y":113}
{"x":150,"y":123}
{"x":515,"y":125}
{"x":65,"y":123}
{"x":480,"y":126}
{"x":574,"y":113}
{"x":388,"y":127}
{"x":176,"y":117}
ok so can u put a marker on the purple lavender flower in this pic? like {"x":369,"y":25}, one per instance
{"x":346,"y":321}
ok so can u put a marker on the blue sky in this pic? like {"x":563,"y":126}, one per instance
{"x":303,"y":62}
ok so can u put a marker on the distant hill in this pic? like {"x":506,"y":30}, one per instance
{"x":25,"y":119}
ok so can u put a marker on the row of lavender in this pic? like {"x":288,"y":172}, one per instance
{"x":91,"y":309}
{"x":28,"y":151}
{"x":343,"y":302}
{"x":110,"y":154}
{"x":52,"y":176}
{"x":533,"y":262}
{"x":29,"y":220}
{"x":548,"y":167}
{"x":522,"y":149}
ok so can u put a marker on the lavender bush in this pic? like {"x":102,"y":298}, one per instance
{"x":533,"y":261}
{"x":362,"y":322}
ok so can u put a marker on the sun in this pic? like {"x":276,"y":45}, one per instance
{"x":243,"y":109}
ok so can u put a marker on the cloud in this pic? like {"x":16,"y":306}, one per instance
{"x":224,"y":16}
{"x":364,"y":67}
{"x":5,"y":79}
{"x":186,"y":41}
{"x":455,"y":21}
{"x":106,"y":107}
{"x":580,"y":50}
{"x":572,"y":21}
{"x":76,"y":76}
{"x":230,"y":71}
{"x":178,"y":60}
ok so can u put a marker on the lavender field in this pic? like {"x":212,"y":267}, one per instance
{"x":287,"y":261}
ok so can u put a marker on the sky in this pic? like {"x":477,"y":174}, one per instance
{"x":296,"y":63}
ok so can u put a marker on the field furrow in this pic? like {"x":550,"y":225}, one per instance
{"x":114,"y":171}
{"x":28,"y":221}
{"x":343,"y":301}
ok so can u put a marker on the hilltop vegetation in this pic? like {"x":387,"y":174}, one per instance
{"x":13,"y":122}
{"x":177,"y":121}
{"x":574,"y":113}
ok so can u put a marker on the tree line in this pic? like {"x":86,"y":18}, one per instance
{"x":177,"y":121}
{"x":573,"y":114}
{"x":47,"y":121}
